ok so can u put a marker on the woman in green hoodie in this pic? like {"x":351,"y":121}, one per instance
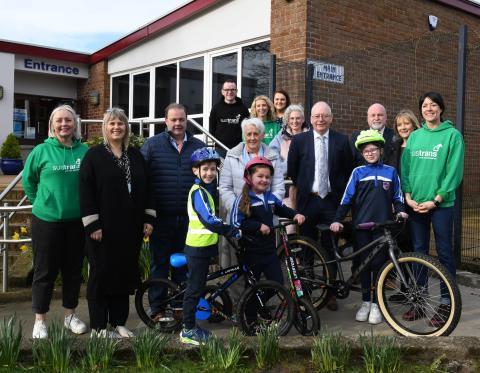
{"x":432,"y":169}
{"x":50,"y":180}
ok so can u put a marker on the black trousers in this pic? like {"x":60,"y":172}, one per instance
{"x":320,"y":211}
{"x":112,"y":309}
{"x":57,"y":246}
{"x":196,"y":282}
{"x":370,"y":274}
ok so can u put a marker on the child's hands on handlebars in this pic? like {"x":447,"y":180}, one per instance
{"x":264,"y":229}
{"x":336,"y":227}
{"x":401,"y":216}
{"x":299,"y":219}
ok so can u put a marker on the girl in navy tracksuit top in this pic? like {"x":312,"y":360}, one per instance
{"x":371,"y":191}
{"x":253,"y":212}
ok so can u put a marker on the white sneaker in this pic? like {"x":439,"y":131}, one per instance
{"x":40,"y":330}
{"x":124,"y":332}
{"x":104,"y":333}
{"x":375,"y":316}
{"x":363,"y":312}
{"x":73,"y":323}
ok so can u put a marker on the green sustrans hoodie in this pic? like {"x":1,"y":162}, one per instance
{"x":432,"y":163}
{"x":50,"y":180}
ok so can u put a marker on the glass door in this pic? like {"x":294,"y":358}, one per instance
{"x":223,"y":67}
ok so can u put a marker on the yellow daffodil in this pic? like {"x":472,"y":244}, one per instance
{"x":23,"y":230}
{"x":146,"y":239}
{"x":16,"y":236}
{"x":24,"y":248}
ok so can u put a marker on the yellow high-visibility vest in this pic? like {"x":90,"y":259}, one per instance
{"x":198,"y":235}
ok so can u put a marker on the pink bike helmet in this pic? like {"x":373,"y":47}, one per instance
{"x":254,"y":162}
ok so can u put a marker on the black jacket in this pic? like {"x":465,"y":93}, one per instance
{"x":301,"y":164}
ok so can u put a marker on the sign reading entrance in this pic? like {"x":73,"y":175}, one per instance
{"x":328,"y":72}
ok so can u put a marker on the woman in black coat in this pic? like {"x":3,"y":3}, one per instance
{"x":116,"y":202}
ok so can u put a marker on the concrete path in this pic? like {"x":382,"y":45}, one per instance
{"x":342,"y":320}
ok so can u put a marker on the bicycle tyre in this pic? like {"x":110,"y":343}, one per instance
{"x":306,"y":321}
{"x":257,"y":303}
{"x":301,"y":246}
{"x":142,"y":305}
{"x":424,"y":299}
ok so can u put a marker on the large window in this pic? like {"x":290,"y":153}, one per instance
{"x":255,"y":71}
{"x":120,"y":87}
{"x":141,"y":95}
{"x":223,"y":68}
{"x":165,"y":88}
{"x":191,"y":85}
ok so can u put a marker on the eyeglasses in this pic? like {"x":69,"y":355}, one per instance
{"x":229,"y":90}
{"x":370,"y":151}
{"x":321,"y":116}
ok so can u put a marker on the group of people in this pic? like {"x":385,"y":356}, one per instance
{"x":109,"y":197}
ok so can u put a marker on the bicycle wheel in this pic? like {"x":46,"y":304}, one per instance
{"x":221,"y":305}
{"x":264,"y":304}
{"x":168,"y":315}
{"x":306,"y":321}
{"x":416,"y":308}
{"x":313,"y":270}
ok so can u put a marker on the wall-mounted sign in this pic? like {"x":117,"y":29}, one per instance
{"x":328,"y":72}
{"x":50,"y":66}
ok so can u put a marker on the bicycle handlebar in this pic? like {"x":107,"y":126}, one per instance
{"x":371,"y":225}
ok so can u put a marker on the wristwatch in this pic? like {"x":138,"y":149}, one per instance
{"x":436,"y":203}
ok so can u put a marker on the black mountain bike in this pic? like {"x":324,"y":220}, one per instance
{"x":307,"y":321}
{"x":421,"y":280}
{"x":261,"y":304}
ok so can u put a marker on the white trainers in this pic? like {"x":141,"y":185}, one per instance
{"x":363,"y":312}
{"x":104,"y":333}
{"x":40,"y":330}
{"x":375,"y":316}
{"x":124,"y":332}
{"x":73,"y":323}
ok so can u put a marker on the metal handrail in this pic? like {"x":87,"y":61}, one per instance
{"x":11,"y":186}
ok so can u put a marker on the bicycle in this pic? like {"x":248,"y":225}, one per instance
{"x":421,"y":280}
{"x":306,"y":321}
{"x":262,"y":302}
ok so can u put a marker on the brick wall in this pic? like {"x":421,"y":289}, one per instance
{"x":98,"y":81}
{"x":389,"y":56}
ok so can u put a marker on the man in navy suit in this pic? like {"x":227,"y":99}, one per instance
{"x":377,"y":120}
{"x":320,"y":162}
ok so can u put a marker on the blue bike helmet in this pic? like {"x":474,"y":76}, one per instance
{"x":204,"y":155}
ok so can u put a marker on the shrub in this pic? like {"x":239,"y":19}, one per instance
{"x":330,"y":353}
{"x":10,"y":148}
{"x":99,"y":353}
{"x":216,"y":355}
{"x":149,"y":348}
{"x":268,"y":350}
{"x":10,"y":339}
{"x":380,"y":354}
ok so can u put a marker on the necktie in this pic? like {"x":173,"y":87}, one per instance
{"x":322,"y":168}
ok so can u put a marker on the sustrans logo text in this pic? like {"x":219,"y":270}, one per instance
{"x":427,"y":154}
{"x":68,"y":167}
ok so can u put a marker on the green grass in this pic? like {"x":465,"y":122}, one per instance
{"x":330,"y":352}
{"x":55,"y":353}
{"x":10,"y":341}
{"x":149,"y":348}
{"x":217,"y":355}
{"x":267,"y":351}
{"x":380,"y":354}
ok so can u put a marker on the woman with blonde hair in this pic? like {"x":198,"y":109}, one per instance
{"x":50,"y":181}
{"x":263,"y":109}
{"x":116,"y":202}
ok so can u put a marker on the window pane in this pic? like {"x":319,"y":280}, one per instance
{"x":191,"y":85}
{"x":224,"y":67}
{"x":255,"y":71}
{"x":120,"y":87}
{"x":141,"y":95}
{"x":192,"y":129}
{"x":165,"y":88}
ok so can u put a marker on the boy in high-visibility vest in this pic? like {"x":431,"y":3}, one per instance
{"x":202,"y":239}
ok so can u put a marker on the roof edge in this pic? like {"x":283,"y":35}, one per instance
{"x":468,"y":7}
{"x":168,"y":21}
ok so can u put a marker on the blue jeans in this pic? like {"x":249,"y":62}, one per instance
{"x":441,"y":220}
{"x":168,"y":237}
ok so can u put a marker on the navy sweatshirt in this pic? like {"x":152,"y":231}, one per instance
{"x":261,"y":212}
{"x":370,"y":192}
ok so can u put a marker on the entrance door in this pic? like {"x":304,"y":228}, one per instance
{"x":223,"y":67}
